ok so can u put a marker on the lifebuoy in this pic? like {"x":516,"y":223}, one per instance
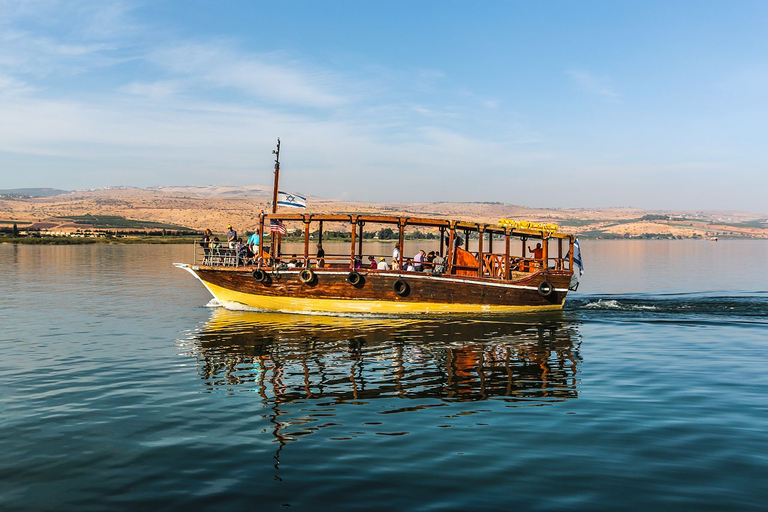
{"x":401,"y":287}
{"x":259,"y":275}
{"x":355,"y":278}
{"x":306,"y":276}
{"x":546,"y":289}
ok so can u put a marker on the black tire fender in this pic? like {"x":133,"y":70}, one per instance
{"x":355,"y":278}
{"x":259,"y":275}
{"x":546,"y":289}
{"x":401,"y":288}
{"x":306,"y":276}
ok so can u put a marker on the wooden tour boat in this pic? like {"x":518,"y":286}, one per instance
{"x":478,"y":267}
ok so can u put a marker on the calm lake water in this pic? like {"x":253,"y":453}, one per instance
{"x":125,"y":388}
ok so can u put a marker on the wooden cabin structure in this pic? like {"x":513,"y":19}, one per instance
{"x":477,"y":268}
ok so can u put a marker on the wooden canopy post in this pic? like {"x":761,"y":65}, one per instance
{"x":442,"y":236}
{"x":360,"y":223}
{"x":262,"y":242}
{"x":306,"y":242}
{"x":559,"y":254}
{"x":524,"y":263}
{"x":570,"y":251}
{"x":545,"y":253}
{"x":451,"y":252}
{"x":353,"y":225}
{"x":401,"y":238}
{"x":272,"y":242}
{"x":507,"y":270}
{"x":481,"y":239}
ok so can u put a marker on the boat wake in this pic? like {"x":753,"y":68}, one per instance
{"x":745,"y":309}
{"x":618,"y":305}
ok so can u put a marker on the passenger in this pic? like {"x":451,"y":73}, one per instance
{"x":431,"y":256}
{"x":409,"y":266}
{"x":254,"y":241}
{"x":358,"y":263}
{"x":320,"y":256}
{"x":372,"y":263}
{"x":231,"y":237}
{"x":214,"y":254}
{"x":396,"y":253}
{"x":243,"y":253}
{"x":395,"y":265}
{"x":206,"y":240}
{"x":438,"y":265}
{"x":538,"y":252}
{"x":294,"y":262}
{"x":383,"y":264}
{"x":418,"y":260}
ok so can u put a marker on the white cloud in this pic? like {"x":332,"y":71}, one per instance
{"x":11,"y":86}
{"x":217,"y":65}
{"x":599,"y":85}
{"x":160,"y":90}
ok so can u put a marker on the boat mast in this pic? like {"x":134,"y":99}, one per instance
{"x":275,"y":249}
{"x":276,"y":152}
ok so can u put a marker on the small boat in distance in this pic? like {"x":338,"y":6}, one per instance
{"x":475,"y":268}
{"x":713,"y":239}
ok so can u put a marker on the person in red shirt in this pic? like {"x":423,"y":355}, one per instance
{"x":538,"y":252}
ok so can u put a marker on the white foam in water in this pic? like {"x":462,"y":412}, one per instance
{"x":603,"y":304}
{"x":618,"y":306}
{"x":236,"y":306}
{"x":232,"y":306}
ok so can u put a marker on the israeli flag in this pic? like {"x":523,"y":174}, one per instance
{"x":292,"y":200}
{"x":577,"y":257}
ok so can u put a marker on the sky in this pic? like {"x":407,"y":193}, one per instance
{"x":574,"y":104}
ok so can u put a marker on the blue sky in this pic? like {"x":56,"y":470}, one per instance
{"x":652,"y":104}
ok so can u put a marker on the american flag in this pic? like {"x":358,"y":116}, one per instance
{"x":276,"y":225}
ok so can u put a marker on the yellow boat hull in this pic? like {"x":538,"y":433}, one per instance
{"x":358,"y":306}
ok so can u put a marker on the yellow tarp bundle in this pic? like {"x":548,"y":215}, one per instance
{"x":533,"y":226}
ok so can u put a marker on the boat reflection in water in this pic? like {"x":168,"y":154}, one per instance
{"x":289,"y":358}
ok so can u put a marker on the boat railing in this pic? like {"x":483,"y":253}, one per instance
{"x":219,"y":256}
{"x":493,"y":264}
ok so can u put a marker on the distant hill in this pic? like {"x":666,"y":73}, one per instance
{"x":216,"y":206}
{"x":34,"y":192}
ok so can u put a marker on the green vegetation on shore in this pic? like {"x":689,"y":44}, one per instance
{"x":118,"y":222}
{"x":70,"y":240}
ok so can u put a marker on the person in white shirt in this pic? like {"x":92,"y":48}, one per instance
{"x":382,"y":265}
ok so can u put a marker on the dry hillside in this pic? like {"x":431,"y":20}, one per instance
{"x":216,"y":206}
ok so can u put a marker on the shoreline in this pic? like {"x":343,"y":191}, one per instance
{"x":159,"y":240}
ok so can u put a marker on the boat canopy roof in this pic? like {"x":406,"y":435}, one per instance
{"x":505,"y":226}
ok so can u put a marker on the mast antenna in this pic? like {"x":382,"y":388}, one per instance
{"x":276,"y":152}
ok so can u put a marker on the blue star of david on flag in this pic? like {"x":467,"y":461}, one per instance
{"x":292,"y":200}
